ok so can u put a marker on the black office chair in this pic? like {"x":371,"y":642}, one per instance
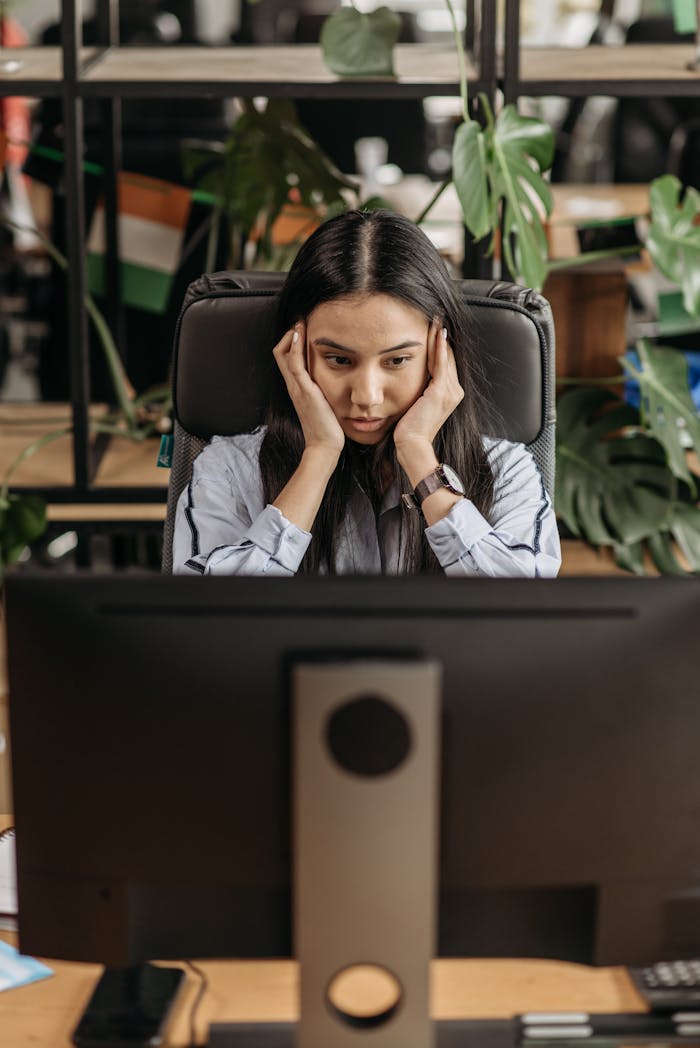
{"x":222,"y":360}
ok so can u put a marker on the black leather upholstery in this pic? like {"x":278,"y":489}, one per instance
{"x":222,"y":361}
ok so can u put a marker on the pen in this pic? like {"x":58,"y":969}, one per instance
{"x":582,"y":1026}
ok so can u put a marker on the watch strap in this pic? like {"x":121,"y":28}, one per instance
{"x":429,"y":484}
{"x":433,"y":482}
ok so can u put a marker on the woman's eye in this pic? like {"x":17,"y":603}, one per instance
{"x":398,"y":362}
{"x":337,"y":362}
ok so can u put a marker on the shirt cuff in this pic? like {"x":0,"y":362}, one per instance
{"x":279,"y":538}
{"x":455,"y":534}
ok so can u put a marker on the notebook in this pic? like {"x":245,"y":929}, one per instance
{"x":8,"y":877}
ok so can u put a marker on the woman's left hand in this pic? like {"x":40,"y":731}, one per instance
{"x":424,"y":419}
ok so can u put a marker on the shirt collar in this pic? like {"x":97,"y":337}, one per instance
{"x":391,"y":497}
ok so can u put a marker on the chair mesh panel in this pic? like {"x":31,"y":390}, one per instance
{"x":186,"y":447}
{"x":543,"y":453}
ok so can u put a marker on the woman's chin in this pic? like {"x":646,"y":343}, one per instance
{"x":365,"y":440}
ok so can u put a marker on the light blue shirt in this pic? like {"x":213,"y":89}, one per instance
{"x":223,"y":527}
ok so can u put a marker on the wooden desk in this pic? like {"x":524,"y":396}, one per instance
{"x":43,"y":1014}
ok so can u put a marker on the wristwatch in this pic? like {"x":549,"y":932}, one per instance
{"x":442,"y":477}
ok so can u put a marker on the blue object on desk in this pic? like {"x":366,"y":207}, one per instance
{"x":631,"y":388}
{"x":16,"y":970}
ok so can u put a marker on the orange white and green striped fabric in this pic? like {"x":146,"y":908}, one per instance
{"x":153,"y":215}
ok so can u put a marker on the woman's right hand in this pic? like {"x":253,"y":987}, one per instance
{"x":320,"y":426}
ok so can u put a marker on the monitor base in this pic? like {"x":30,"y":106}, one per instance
{"x":458,"y":1033}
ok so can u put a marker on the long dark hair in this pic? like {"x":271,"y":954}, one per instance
{"x":376,"y":252}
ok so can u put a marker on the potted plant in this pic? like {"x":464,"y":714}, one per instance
{"x":269,"y":183}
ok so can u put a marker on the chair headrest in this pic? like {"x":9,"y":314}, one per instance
{"x":225,"y":335}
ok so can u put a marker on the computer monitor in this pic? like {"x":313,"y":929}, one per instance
{"x":150,"y":746}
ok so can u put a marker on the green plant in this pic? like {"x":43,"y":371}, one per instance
{"x":673,"y":237}
{"x":267,"y":162}
{"x":623,"y":476}
{"x":22,"y":521}
{"x":357,"y":43}
{"x":497,"y":169}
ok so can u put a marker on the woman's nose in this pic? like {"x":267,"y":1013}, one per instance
{"x":367,"y":390}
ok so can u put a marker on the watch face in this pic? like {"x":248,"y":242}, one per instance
{"x":452,"y":479}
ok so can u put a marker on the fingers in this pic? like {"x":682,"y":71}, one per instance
{"x":433,"y":332}
{"x":292,"y":339}
{"x":444,"y":371}
{"x":439,"y":352}
{"x":297,"y":350}
{"x":284,"y":343}
{"x":290,"y":354}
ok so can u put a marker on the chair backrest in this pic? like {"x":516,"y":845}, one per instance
{"x":222,"y":360}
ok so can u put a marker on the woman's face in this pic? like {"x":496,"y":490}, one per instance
{"x":369,"y":355}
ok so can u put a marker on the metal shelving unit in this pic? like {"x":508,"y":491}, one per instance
{"x":111,"y":73}
{"x":628,"y":71}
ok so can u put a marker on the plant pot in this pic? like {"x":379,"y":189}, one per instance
{"x":589,"y":305}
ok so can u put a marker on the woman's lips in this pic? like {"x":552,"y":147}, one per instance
{"x":366,"y":425}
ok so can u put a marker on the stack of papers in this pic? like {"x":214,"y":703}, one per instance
{"x":8,"y":880}
{"x":16,"y":970}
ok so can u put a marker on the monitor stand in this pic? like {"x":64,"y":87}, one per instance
{"x":366,"y":736}
{"x":479,"y":1033}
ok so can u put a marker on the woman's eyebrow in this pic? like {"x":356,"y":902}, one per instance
{"x":408,"y":344}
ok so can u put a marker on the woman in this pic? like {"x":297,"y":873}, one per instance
{"x":372,"y":459}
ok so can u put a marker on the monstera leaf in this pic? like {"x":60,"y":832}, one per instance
{"x":610,"y":488}
{"x":22,"y":520}
{"x":665,"y":398}
{"x":470,"y":174}
{"x":675,"y":551}
{"x":267,"y":153}
{"x":497,"y":170}
{"x":615,"y":487}
{"x":355,"y":43}
{"x":673,"y":239}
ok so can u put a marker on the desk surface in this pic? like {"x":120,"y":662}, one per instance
{"x":43,"y":1014}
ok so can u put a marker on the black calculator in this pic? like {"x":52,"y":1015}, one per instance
{"x":669,"y":985}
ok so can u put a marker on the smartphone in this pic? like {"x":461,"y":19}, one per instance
{"x":129,"y":1008}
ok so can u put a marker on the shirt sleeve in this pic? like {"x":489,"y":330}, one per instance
{"x":222,"y":526}
{"x":520,"y":538}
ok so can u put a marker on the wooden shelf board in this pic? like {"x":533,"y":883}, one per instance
{"x":105,"y":512}
{"x":634,"y":69}
{"x":40,"y":69}
{"x":125,"y":462}
{"x":292,"y":71}
{"x":35,"y":63}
